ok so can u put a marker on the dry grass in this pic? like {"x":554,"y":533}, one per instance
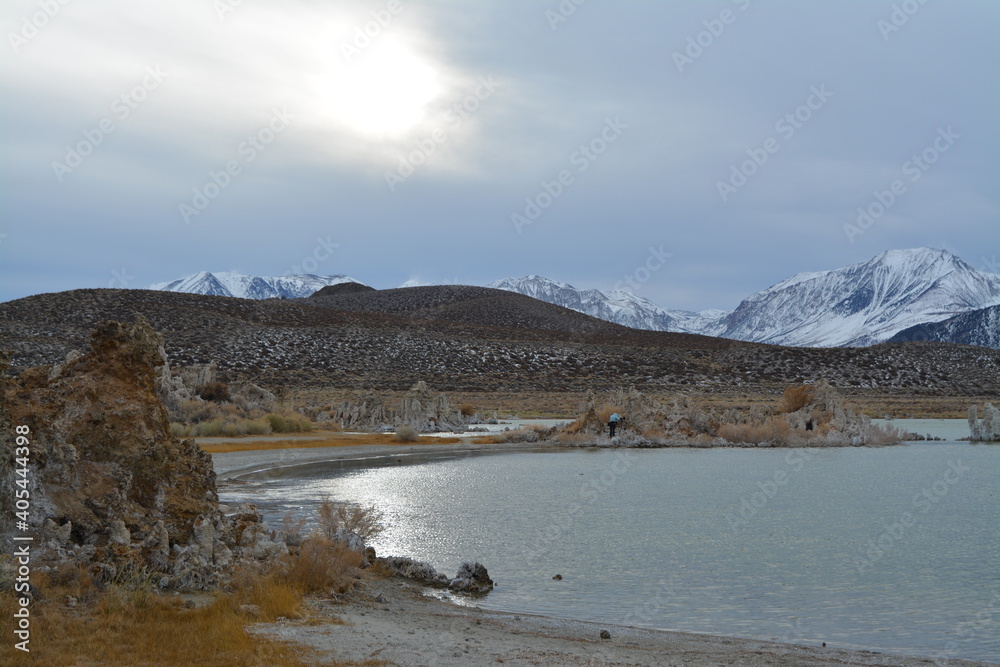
{"x":407,"y":434}
{"x":141,"y":628}
{"x":119,"y":626}
{"x":795,"y":398}
{"x":774,"y":430}
{"x":317,"y":439}
{"x":321,"y":566}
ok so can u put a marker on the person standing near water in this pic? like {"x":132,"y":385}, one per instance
{"x":613,"y":423}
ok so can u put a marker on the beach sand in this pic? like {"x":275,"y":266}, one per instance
{"x":403,"y":623}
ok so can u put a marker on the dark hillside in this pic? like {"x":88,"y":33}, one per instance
{"x":468,"y":339}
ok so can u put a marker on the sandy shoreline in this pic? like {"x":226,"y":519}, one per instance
{"x":397,"y":621}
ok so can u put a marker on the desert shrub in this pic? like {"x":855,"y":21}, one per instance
{"x":261,"y":426}
{"x":365,"y":521}
{"x":774,"y":430}
{"x":520,"y":435}
{"x":407,"y":434}
{"x":795,"y":398}
{"x":209,"y":429}
{"x":292,"y":528}
{"x":322,"y":565}
{"x":288,"y":423}
{"x":217,"y":392}
{"x":179,"y":430}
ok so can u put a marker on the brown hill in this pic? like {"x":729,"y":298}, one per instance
{"x":467,"y":339}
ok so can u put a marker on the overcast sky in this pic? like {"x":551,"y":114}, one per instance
{"x":694,"y":152}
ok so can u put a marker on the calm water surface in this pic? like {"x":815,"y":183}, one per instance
{"x":892,"y":549}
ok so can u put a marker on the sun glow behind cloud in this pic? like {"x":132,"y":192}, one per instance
{"x":226,"y":75}
{"x":386,"y":91}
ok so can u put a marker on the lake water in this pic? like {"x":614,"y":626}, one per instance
{"x":891,"y":549}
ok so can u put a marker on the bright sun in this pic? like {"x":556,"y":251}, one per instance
{"x":384,"y":91}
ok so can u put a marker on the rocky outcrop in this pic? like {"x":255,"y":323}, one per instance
{"x":109,"y":485}
{"x":472,"y":578}
{"x":421,"y":408}
{"x":427,"y":410}
{"x":987,"y":428}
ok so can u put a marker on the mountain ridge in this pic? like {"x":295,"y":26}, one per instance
{"x":861,"y":304}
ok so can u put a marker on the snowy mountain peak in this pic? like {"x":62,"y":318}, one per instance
{"x":860,"y":304}
{"x":241,"y":286}
{"x":863,"y":303}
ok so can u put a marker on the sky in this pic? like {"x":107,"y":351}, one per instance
{"x":691,"y":152}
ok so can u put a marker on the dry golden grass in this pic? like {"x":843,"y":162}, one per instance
{"x":116,"y":626}
{"x":317,"y":439}
{"x":141,"y":628}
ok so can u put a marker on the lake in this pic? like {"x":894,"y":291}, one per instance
{"x":893,"y":549}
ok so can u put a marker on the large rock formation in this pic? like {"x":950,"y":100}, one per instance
{"x":422,"y":408}
{"x":987,"y":428}
{"x":109,"y":486}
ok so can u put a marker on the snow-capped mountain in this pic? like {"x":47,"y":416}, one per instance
{"x":978,"y":327}
{"x":227,"y":283}
{"x":864,"y":303}
{"x":861,"y":304}
{"x":617,"y":306}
